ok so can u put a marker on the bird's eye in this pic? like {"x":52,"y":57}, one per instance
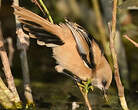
{"x":104,"y":82}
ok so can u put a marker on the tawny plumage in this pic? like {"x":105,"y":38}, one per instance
{"x":73,"y":48}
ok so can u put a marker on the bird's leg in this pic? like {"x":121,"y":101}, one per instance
{"x":84,"y":88}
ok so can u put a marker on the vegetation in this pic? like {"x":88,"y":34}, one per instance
{"x":114,"y":25}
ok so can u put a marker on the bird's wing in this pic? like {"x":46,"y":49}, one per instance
{"x":42,"y":35}
{"x":84,"y":44}
{"x":38,"y":27}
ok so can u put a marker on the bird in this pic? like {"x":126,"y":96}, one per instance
{"x":75,"y":50}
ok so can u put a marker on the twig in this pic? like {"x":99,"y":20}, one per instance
{"x":132,"y":41}
{"x":7,"y":70}
{"x":85,"y":95}
{"x":6,"y":96}
{"x":46,"y":10}
{"x":114,"y":56}
{"x":23,"y":44}
{"x":37,"y":3}
{"x":10,"y":49}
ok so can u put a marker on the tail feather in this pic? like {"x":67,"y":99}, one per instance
{"x":26,"y":16}
{"x":38,"y":27}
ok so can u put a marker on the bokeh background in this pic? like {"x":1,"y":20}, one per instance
{"x":56,"y":91}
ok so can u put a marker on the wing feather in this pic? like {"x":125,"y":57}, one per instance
{"x":84,"y":45}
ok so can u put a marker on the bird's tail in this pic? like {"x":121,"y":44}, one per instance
{"x":38,"y":27}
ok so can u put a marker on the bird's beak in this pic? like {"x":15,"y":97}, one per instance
{"x":105,"y":95}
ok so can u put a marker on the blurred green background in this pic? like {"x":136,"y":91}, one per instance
{"x":56,"y":91}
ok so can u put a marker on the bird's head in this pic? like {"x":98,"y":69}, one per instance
{"x":103,"y":75}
